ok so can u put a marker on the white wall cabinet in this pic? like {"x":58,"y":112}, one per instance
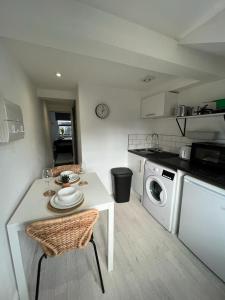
{"x":159,"y":105}
{"x":136,"y":164}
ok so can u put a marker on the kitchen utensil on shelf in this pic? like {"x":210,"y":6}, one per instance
{"x":183,"y":110}
{"x":217,"y":104}
{"x":189,"y":111}
{"x":204,"y":110}
{"x":194,"y":110}
{"x":177,"y":111}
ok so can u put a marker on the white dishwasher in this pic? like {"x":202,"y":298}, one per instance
{"x":202,"y":223}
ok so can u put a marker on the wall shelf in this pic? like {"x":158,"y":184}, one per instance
{"x":203,"y":116}
{"x":182,"y":127}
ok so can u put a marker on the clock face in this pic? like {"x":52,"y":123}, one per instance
{"x":102,"y":111}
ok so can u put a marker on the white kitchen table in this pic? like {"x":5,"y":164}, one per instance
{"x":33,"y":207}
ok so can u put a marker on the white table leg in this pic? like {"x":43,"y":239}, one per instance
{"x":110,"y":237}
{"x":18,"y":262}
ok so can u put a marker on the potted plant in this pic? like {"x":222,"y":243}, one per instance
{"x":65,"y":181}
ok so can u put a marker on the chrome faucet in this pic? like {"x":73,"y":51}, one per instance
{"x":155,"y":141}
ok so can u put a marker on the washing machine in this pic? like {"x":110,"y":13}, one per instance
{"x":160,"y":193}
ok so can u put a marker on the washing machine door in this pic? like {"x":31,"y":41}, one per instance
{"x":156,"y":191}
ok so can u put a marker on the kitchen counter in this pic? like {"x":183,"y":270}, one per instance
{"x":172,"y":161}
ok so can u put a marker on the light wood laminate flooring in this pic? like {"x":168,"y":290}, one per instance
{"x":150,"y":264}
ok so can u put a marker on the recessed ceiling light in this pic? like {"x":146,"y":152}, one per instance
{"x":148,"y":78}
{"x":58,"y":75}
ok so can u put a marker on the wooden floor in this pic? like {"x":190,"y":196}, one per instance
{"x":150,"y":264}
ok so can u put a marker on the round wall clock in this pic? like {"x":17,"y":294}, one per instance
{"x":102,"y":111}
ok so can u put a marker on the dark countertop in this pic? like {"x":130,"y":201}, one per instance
{"x":172,"y":161}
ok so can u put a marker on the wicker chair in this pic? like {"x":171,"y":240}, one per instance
{"x":57,"y":170}
{"x":59,"y":235}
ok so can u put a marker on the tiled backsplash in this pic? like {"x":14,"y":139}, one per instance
{"x":171,"y":143}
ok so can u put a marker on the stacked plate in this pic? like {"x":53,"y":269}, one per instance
{"x":73,"y":177}
{"x":67,"y":198}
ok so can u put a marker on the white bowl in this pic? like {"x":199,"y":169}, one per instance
{"x":67,"y":194}
{"x":67,"y":173}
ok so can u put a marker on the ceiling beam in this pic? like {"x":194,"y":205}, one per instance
{"x":212,"y":31}
{"x":214,"y":11}
{"x":72,"y":26}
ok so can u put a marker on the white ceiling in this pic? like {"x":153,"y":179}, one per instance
{"x":175,"y":18}
{"x":214,"y":48}
{"x":209,"y":37}
{"x":42,"y":63}
{"x":86,"y":43}
{"x":75,"y":27}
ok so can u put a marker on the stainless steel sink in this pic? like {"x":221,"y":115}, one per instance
{"x":148,"y":151}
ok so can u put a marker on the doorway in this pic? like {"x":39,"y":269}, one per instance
{"x":63,"y":136}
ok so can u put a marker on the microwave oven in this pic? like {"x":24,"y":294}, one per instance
{"x":208,"y":154}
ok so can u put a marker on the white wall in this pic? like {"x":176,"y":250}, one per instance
{"x":104,"y":142}
{"x":20,"y":161}
{"x":54,"y":127}
{"x":56,"y":94}
{"x":193,"y":97}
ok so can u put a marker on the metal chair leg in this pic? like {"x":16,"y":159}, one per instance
{"x":98,"y":265}
{"x":38,"y":275}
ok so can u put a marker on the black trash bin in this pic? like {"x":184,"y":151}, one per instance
{"x":121,"y":182}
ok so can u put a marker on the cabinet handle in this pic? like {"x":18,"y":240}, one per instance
{"x":140,"y":167}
